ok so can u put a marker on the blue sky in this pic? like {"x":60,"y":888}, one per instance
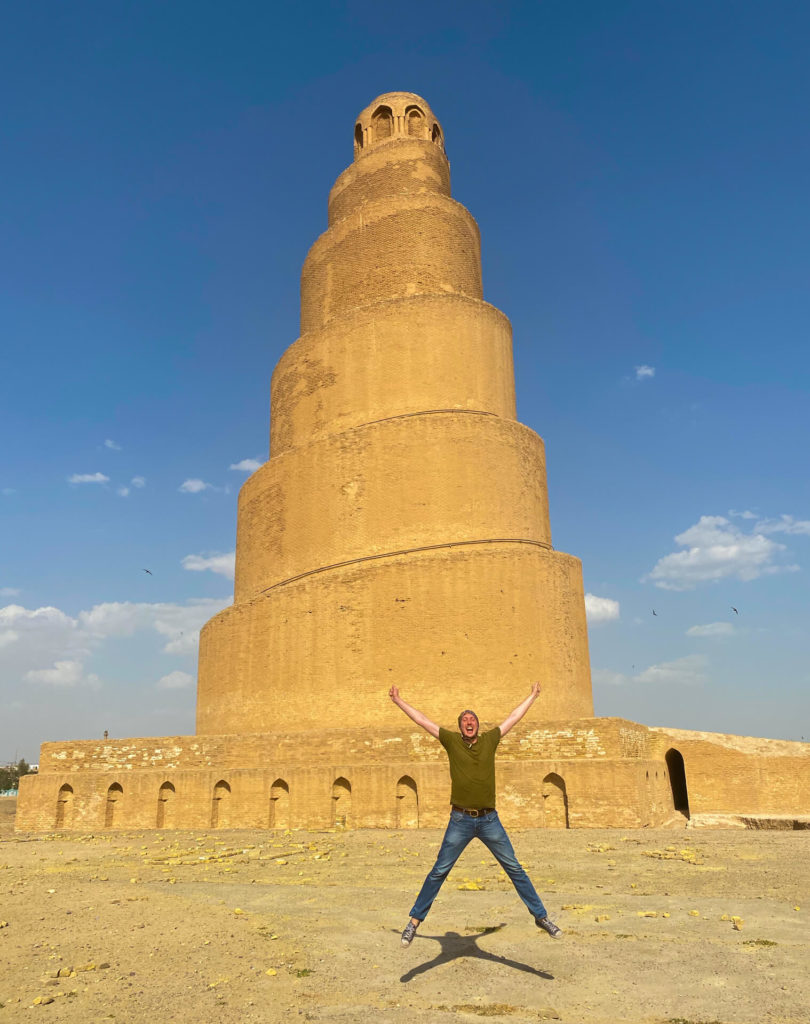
{"x":639,"y":173}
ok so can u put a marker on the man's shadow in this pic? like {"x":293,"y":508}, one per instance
{"x":454,"y":946}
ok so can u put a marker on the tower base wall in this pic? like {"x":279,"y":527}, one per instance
{"x":585,"y":773}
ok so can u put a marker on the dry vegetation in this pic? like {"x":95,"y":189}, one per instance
{"x":676,"y":927}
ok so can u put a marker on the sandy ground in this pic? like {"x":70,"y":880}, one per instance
{"x":243,"y":926}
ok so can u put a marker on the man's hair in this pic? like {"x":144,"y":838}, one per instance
{"x":468,"y":712}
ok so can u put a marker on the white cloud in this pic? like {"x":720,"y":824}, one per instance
{"x":44,"y":645}
{"x":711,"y":629}
{"x":175,"y":681}
{"x":644,"y":371}
{"x":112,"y":445}
{"x":747,"y":514}
{"x":63,"y":673}
{"x":716,"y":549}
{"x":604,"y":677}
{"x":246,"y":465}
{"x":688,"y":671}
{"x":784,"y":524}
{"x":88,"y":478}
{"x":138,"y":481}
{"x":178,"y":624}
{"x":222,"y":564}
{"x":194,"y":486}
{"x":8,"y":591}
{"x":122,"y":491}
{"x":600,"y":609}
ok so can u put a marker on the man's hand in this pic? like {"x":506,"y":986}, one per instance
{"x":512,"y":719}
{"x":413,"y":714}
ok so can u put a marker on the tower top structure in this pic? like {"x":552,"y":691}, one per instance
{"x":396,"y":115}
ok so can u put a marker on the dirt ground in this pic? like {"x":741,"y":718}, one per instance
{"x":242,"y":926}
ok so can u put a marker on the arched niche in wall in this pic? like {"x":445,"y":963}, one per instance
{"x":407,"y":803}
{"x":341,"y":802}
{"x":112,"y":810}
{"x":165,"y":806}
{"x":436,"y":136}
{"x":555,"y":802}
{"x":358,"y":138}
{"x":64,"y":806}
{"x":279,"y":804}
{"x":219,"y":804}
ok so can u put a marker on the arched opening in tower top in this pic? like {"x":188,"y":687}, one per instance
{"x":436,"y":136}
{"x":677,"y":780}
{"x":415,"y":121}
{"x":358,"y":137}
{"x":382,"y":123}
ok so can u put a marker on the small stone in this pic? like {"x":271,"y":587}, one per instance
{"x":238,"y":910}
{"x":602,"y":917}
{"x":737,"y":923}
{"x":271,"y":973}
{"x":694,"y":913}
{"x":648,"y":913}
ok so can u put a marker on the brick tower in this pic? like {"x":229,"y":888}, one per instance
{"x":399,"y":532}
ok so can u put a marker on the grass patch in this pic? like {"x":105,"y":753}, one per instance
{"x":759,"y":942}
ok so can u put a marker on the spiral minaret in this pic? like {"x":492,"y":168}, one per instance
{"x":399,"y":533}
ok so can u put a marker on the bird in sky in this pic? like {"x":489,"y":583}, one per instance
{"x":655,"y":613}
{"x":734,"y":610}
{"x":147,"y":570}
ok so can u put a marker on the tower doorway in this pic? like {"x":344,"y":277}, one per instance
{"x":677,"y":781}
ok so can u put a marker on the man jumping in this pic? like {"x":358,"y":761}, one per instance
{"x":473,"y":814}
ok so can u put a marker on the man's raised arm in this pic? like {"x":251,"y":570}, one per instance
{"x":413,"y":714}
{"x":515,"y":716}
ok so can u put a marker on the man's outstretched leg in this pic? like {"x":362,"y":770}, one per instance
{"x":460,"y":830}
{"x":492,"y":833}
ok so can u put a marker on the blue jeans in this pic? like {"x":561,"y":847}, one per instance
{"x":461,"y":829}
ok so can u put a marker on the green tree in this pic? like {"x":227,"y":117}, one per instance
{"x":11,"y":774}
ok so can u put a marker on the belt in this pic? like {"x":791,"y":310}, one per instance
{"x":474,"y":812}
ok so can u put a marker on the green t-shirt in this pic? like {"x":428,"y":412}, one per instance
{"x":472,"y":767}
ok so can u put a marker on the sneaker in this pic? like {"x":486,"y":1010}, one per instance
{"x":542,"y":922}
{"x":408,"y":934}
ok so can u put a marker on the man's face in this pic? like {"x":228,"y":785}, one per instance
{"x":469,"y":726}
